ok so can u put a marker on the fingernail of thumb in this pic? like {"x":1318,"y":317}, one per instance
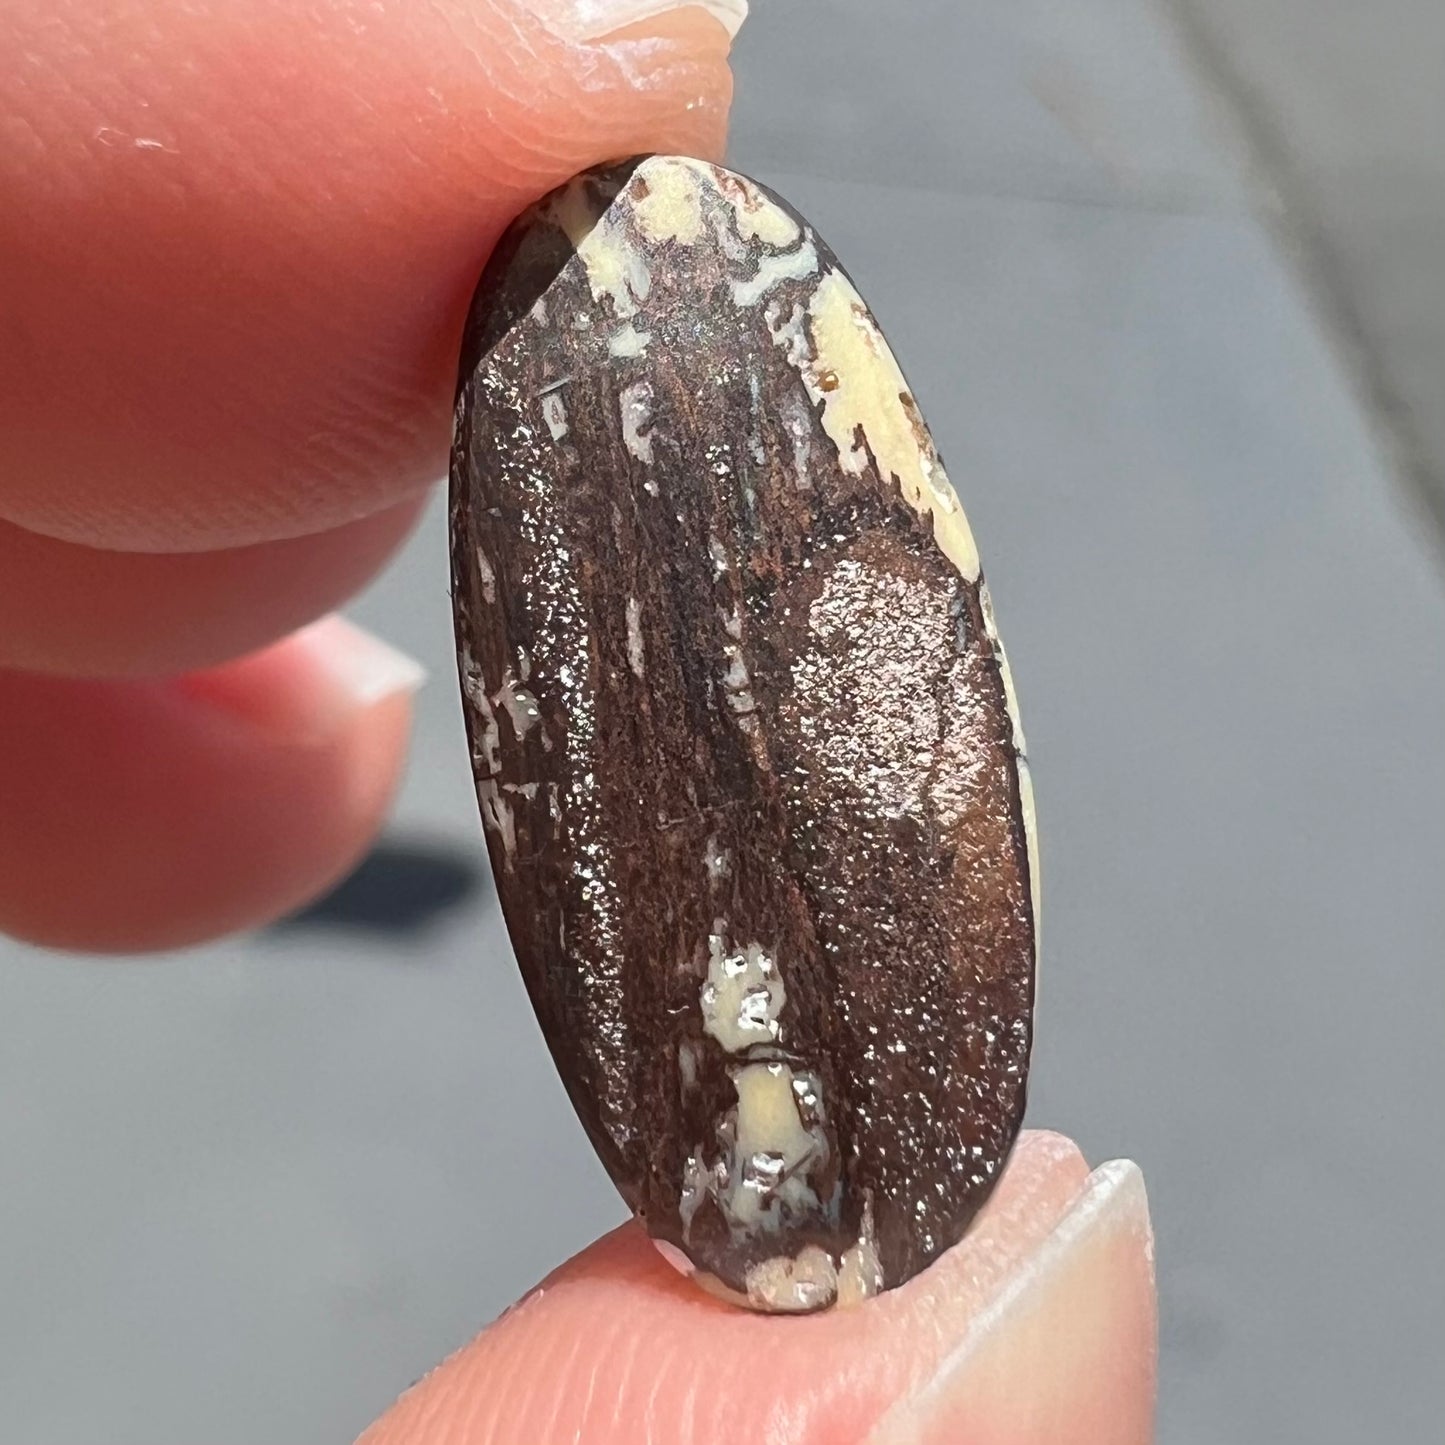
{"x":581,"y":20}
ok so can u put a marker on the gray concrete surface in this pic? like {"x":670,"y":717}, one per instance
{"x":255,"y":1190}
{"x":1341,"y":105}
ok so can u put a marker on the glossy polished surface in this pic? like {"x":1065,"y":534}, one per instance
{"x":745,"y":741}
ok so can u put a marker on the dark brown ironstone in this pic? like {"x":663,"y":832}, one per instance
{"x":744,"y":740}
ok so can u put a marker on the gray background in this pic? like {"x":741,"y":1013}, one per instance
{"x":249,"y":1193}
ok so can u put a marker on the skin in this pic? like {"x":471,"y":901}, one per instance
{"x":236,"y":245}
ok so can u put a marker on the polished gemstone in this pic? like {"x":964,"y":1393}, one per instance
{"x":745,"y":743}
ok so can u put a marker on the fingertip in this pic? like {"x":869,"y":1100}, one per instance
{"x":157,"y":814}
{"x":79,"y":611}
{"x":1049,"y":1298}
{"x":294,"y":204}
{"x":1066,"y":1352}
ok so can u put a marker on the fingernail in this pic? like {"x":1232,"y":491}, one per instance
{"x":581,"y":20}
{"x":364,"y":669}
{"x":1065,"y":1353}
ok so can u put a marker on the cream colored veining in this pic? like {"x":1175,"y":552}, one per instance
{"x":1011,"y":700}
{"x":760,"y":220}
{"x":635,"y":655}
{"x":487,"y":577}
{"x":616,"y":269}
{"x":671,"y":210}
{"x":628,"y":341}
{"x":521,"y":707}
{"x":790,"y":266}
{"x":729,"y":242}
{"x":1031,"y":841}
{"x":788,"y":332}
{"x":743,"y":995}
{"x":755,"y":217}
{"x":489,"y":742}
{"x":771,"y":1152}
{"x":635,"y":403}
{"x":783,"y":1285}
{"x":497,"y":817}
{"x":554,"y":413}
{"x":853,"y":374}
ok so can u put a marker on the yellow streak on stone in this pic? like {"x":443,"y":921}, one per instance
{"x":769,"y":224}
{"x":614,"y":268}
{"x":768,"y":1121}
{"x":759,"y":219}
{"x":854,"y":375}
{"x":1011,"y":698}
{"x":1031,"y":840}
{"x":672,"y":208}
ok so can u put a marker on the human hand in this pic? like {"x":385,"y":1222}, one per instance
{"x":236,"y":247}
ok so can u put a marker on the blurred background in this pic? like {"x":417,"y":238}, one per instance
{"x":1169,"y":278}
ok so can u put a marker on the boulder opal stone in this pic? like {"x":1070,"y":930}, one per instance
{"x":745,"y":743}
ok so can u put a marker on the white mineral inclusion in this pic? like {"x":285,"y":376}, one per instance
{"x":672,"y":208}
{"x":521,"y":707}
{"x":766,"y":1173}
{"x":635,"y":405}
{"x":807,"y":1281}
{"x":628,"y":341}
{"x":715,"y":858}
{"x":848,"y":367}
{"x":792,"y":266}
{"x":743,"y":996}
{"x":616,"y":269}
{"x":554,"y":413}
{"x":636,"y":656}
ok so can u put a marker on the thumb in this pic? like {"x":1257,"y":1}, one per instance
{"x":1038,"y":1329}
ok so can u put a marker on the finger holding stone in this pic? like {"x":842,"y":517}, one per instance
{"x":152,"y":814}
{"x":90,"y":612}
{"x":1038,"y":1329}
{"x":237,"y":241}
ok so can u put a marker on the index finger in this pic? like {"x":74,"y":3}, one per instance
{"x":237,"y":241}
